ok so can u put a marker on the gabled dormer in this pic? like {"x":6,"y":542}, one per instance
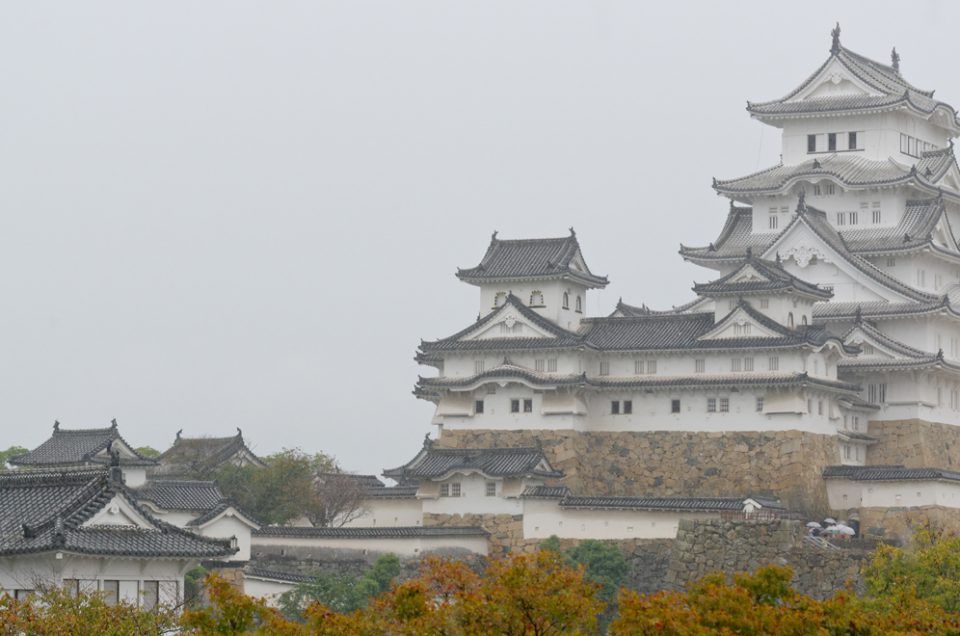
{"x":771,"y":290}
{"x":549,"y":275}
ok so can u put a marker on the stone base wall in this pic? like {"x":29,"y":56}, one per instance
{"x":661,"y":463}
{"x":900,"y":523}
{"x":915,"y":444}
{"x":703,"y":547}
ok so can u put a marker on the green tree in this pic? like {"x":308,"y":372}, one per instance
{"x":927,"y":569}
{"x":148,"y":451}
{"x":13,"y":451}
{"x":342,"y":593}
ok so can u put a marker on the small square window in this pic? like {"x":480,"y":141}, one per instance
{"x":627,"y":407}
{"x":759,"y":405}
{"x":711,"y":405}
{"x":615,"y":407}
{"x":811,"y":143}
{"x":514,"y":406}
{"x":551,"y":365}
{"x":852,"y":141}
{"x":699,"y":365}
{"x":528,"y":406}
{"x":478,"y":407}
{"x":773,"y":363}
{"x":604,"y":367}
{"x":674,"y":406}
{"x":724,"y":405}
{"x":444,"y":490}
{"x":540,"y":364}
{"x":491,"y":489}
{"x":455,"y":489}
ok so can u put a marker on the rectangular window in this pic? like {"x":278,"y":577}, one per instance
{"x":773,"y":363}
{"x":651,"y":366}
{"x":638,"y":367}
{"x":841,"y":217}
{"x":819,"y":407}
{"x":816,"y":191}
{"x":846,"y":451}
{"x":455,"y":489}
{"x":853,"y":218}
{"x":478,"y":367}
{"x":811,"y":143}
{"x":491,"y":489}
{"x":830,"y":188}
{"x":674,"y":406}
{"x":514,"y":406}
{"x":724,"y":405}
{"x":26,"y":595}
{"x":891,"y":262}
{"x":832,"y":142}
{"x":71,"y":587}
{"x":921,"y":278}
{"x":764,"y":303}
{"x":540,"y":364}
{"x":478,"y":407}
{"x":604,"y":367}
{"x":736,"y":364}
{"x":444,"y":490}
{"x":748,"y":364}
{"x":111,"y":592}
{"x":615,"y":407}
{"x":904,"y":145}
{"x":876,"y":217}
{"x":711,"y":405}
{"x":699,"y":365}
{"x":759,"y":405}
{"x":149,"y":594}
{"x":528,"y":406}
{"x":551,"y":365}
{"x":851,"y":141}
{"x":627,"y":407}
{"x":774,"y":221}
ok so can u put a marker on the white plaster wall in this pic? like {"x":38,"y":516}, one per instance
{"x":553,"y":299}
{"x":473,"y":499}
{"x":543,"y":518}
{"x":404,"y":547}
{"x":226,"y":527}
{"x":381,"y":512}
{"x":266,"y":589}
{"x":35,"y":571}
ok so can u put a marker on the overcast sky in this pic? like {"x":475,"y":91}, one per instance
{"x":222,"y":214}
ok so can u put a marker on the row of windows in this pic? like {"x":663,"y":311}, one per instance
{"x":700,"y":364}
{"x":536,"y":300}
{"x":914,"y":147}
{"x":147,"y":591}
{"x":853,"y":452}
{"x":843,"y":218}
{"x":516,"y":406}
{"x":832,"y":142}
{"x":455,"y":489}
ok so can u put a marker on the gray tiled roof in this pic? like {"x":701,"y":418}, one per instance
{"x":215,"y":511}
{"x":915,"y":230}
{"x":774,"y":279}
{"x":893,"y":89}
{"x":562,"y":339}
{"x":434,"y":463}
{"x":857,"y":435}
{"x":532,"y":259}
{"x":889,"y":473}
{"x":257,"y":572}
{"x":364,"y":482}
{"x":67,"y":447}
{"x":879,"y":309}
{"x":44,"y":511}
{"x":203,"y":454}
{"x":546,"y":492}
{"x":393,"y":492}
{"x":897,"y":347}
{"x":370,"y":533}
{"x":851,"y":170}
{"x":180,"y":495}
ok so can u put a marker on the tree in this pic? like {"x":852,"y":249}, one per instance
{"x":13,"y":451}
{"x":341,"y":498}
{"x":341,"y":593}
{"x":148,"y":451}
{"x":928,"y":569}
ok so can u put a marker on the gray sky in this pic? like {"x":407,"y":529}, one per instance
{"x":221,"y":214}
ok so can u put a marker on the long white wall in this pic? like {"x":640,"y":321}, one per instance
{"x":844,"y":494}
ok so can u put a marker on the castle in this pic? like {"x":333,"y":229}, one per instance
{"x":817,"y":364}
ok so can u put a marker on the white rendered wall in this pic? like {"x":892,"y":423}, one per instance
{"x":36,"y":571}
{"x":544,"y":518}
{"x":844,"y":494}
{"x":553,"y":309}
{"x":473,"y":498}
{"x":380,"y":512}
{"x":226,"y":527}
{"x":267,"y":589}
{"x":404,"y":547}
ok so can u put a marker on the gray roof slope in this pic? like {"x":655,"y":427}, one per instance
{"x":884,"y":79}
{"x":531,"y":258}
{"x":258,"y":572}
{"x":432,"y":463}
{"x":880,"y":309}
{"x":180,"y":494}
{"x":884,"y":340}
{"x":350,"y":532}
{"x":561,"y":337}
{"x":889,"y":473}
{"x":193,"y":454}
{"x":44,"y":511}
{"x":211,"y":514}
{"x":78,"y":446}
{"x":775,"y":279}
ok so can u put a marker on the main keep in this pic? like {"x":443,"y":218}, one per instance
{"x":818,"y":362}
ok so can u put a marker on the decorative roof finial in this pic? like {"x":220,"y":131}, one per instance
{"x":113,"y":423}
{"x":493,"y":237}
{"x":239,"y":432}
{"x":56,"y":425}
{"x":572,"y":232}
{"x":940,"y":354}
{"x":749,"y":253}
{"x":895,"y":59}
{"x":427,"y":442}
{"x":835,"y":34}
{"x":179,"y":433}
{"x":801,"y":200}
{"x":858,"y":317}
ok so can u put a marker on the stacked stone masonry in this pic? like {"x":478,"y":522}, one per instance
{"x":915,"y":444}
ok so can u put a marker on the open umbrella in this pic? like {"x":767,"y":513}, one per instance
{"x":813,"y":524}
{"x":845,"y":530}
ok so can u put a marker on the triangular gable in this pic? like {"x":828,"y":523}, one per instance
{"x":119,"y":512}
{"x":875,"y":344}
{"x":834,"y":79}
{"x":228,"y":512}
{"x":803,"y":251}
{"x":950,"y":179}
{"x":748,"y":274}
{"x":943,"y":236}
{"x":508,"y":323}
{"x":577,"y":263}
{"x":739,"y":324}
{"x":121,"y":447}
